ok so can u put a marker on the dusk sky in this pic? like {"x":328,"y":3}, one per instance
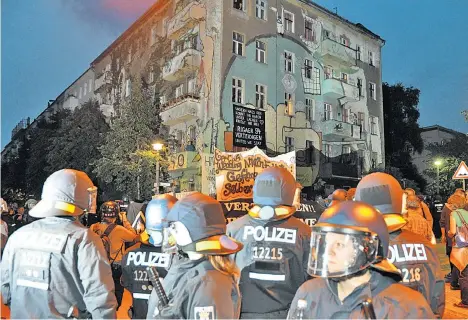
{"x":47,"y":44}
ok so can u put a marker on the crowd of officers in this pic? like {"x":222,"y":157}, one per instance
{"x":360,"y":260}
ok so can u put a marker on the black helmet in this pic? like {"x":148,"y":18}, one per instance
{"x":349,"y":237}
{"x":110,"y":209}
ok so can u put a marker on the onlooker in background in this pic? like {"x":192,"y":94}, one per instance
{"x":459,"y":256}
{"x":424,"y":208}
{"x":416,"y":222}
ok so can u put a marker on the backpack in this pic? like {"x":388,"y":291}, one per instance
{"x":106,"y":241}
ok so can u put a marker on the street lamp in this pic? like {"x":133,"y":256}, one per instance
{"x":438,"y":163}
{"x":157,"y":146}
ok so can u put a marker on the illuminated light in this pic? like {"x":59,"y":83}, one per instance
{"x":207,"y":245}
{"x":438,"y":162}
{"x":158,"y":146}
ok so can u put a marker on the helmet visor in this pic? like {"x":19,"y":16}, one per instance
{"x":340,"y":252}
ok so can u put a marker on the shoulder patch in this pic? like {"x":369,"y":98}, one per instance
{"x":204,"y":313}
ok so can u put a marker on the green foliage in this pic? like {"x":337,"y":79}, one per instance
{"x":451,"y":153}
{"x":127,"y":160}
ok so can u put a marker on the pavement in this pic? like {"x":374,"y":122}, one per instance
{"x":451,"y":312}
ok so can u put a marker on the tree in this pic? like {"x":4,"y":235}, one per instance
{"x":465,"y":114}
{"x":127,"y":159}
{"x":402,"y":132}
{"x":451,"y":153}
{"x":41,"y":138}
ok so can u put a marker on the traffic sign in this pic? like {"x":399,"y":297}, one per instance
{"x":462,"y":172}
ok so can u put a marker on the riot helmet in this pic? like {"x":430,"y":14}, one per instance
{"x":384,"y":193}
{"x":156,"y":211}
{"x":273,"y":194}
{"x":349,"y":238}
{"x":338,"y":196}
{"x":110,"y":210}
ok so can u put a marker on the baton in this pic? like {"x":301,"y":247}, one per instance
{"x":368,"y":309}
{"x":154,"y":278}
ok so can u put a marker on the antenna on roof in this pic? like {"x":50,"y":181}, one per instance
{"x":336,"y":10}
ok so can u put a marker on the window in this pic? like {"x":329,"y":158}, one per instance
{"x":317,"y":89}
{"x":344,"y":77}
{"x":237,"y":90}
{"x":310,"y":152}
{"x":260,"y":51}
{"x":162,"y":99}
{"x":289,"y":144}
{"x":327,"y":150}
{"x":308,"y":68}
{"x":359,"y":85}
{"x":153,"y":35}
{"x":191,"y":86}
{"x":328,"y":72}
{"x":310,"y":109}
{"x":288,"y":62}
{"x":192,"y":134}
{"x":239,"y":4}
{"x":85,"y":88}
{"x":151,"y":74}
{"x":118,"y":63}
{"x":260,"y":96}
{"x":362,"y":120}
{"x":81,"y":92}
{"x":260,"y":9}
{"x":344,"y":41}
{"x":129,"y":57}
{"x":346,"y":149}
{"x":358,"y":52}
{"x":327,"y":112}
{"x":372,"y":92}
{"x":371,"y":58}
{"x":128,"y":87}
{"x":289,"y":102}
{"x":346,"y":115}
{"x":237,"y":43}
{"x":373,"y":125}
{"x":288,"y":21}
{"x":288,"y":97}
{"x":309,"y":33}
{"x":90,"y":85}
{"x":75,"y":95}
{"x":326,"y":34}
{"x":179,"y":91}
{"x":164,"y":26}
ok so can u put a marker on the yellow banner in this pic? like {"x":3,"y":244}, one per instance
{"x":236,"y":171}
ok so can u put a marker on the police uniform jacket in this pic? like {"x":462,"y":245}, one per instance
{"x":273,"y":263}
{"x":417,"y":260}
{"x":135,"y":277}
{"x":53,"y":264}
{"x":196,"y":290}
{"x":390,"y":300}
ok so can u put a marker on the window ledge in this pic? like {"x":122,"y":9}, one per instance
{"x":239,"y":13}
{"x":262,"y":63}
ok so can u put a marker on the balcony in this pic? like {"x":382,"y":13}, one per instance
{"x":341,"y":90}
{"x":107,"y":110}
{"x":335,"y":53}
{"x":181,"y":22}
{"x":181,"y":109}
{"x":334,"y":130}
{"x":103,"y":81}
{"x":183,"y":160}
{"x":186,"y":61}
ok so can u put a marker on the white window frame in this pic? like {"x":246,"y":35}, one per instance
{"x":129,"y":57}
{"x":327,"y":112}
{"x":179,"y":90}
{"x":373,"y":90}
{"x":316,"y":77}
{"x":344,"y":77}
{"x":237,"y":92}
{"x":192,"y":133}
{"x":151,"y":75}
{"x":85,"y":90}
{"x":291,"y":22}
{"x":289,"y":96}
{"x":164,"y":26}
{"x":309,"y":34}
{"x":310,"y":109}
{"x":242,"y":2}
{"x":344,"y":41}
{"x":259,"y":52}
{"x":191,"y":86}
{"x":358,"y":53}
{"x":346,"y":115}
{"x":162,"y":99}
{"x":261,"y":8}
{"x":289,"y":144}
{"x":327,"y":150}
{"x":346,"y":149}
{"x":236,"y":43}
{"x":373,"y":123}
{"x":371,"y":58}
{"x":328,"y":71}
{"x":308,"y":69}
{"x":360,"y":86}
{"x":260,"y":97}
{"x":289,"y":59}
{"x":362,"y":120}
{"x":81,"y":92}
{"x":128,"y":87}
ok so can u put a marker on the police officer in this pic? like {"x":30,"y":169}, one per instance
{"x":413,"y":255}
{"x":347,"y":252}
{"x":118,"y":237}
{"x":276,"y":247}
{"x":54,"y":264}
{"x":134,"y":263}
{"x":203,"y":283}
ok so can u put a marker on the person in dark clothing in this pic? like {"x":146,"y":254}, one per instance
{"x":348,"y":251}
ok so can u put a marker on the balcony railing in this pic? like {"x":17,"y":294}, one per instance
{"x":333,"y":51}
{"x":103,"y":80}
{"x":345,"y":91}
{"x":181,"y":109}
{"x":186,"y":61}
{"x":334,"y":130}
